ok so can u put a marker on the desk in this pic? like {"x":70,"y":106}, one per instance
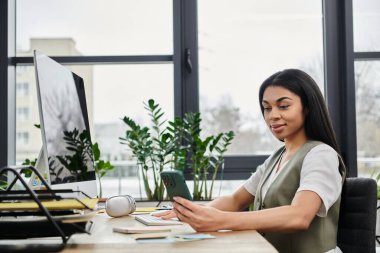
{"x":103,"y":239}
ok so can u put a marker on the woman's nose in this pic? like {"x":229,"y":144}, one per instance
{"x":274,"y":114}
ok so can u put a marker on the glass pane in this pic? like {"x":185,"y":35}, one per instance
{"x":242,"y":44}
{"x":28,"y":137}
{"x":366,"y":25}
{"x":112,"y":92}
{"x":368,"y":116}
{"x":95,"y":27}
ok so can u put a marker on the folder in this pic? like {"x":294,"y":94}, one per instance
{"x":64,"y":204}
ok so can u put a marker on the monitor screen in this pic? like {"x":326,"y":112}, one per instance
{"x":64,"y":122}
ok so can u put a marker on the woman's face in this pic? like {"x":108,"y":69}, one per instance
{"x":283,"y":113}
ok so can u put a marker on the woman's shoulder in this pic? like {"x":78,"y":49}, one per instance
{"x":322,"y":152}
{"x":323,"y":148}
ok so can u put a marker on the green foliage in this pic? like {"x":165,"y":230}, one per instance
{"x":138,"y":140}
{"x":3,"y":183}
{"x":177,"y":132}
{"x":152,"y":150}
{"x":207,"y":155}
{"x":28,"y":173}
{"x":376,"y":176}
{"x":101,"y":167}
{"x":176,"y":146}
{"x":83,"y":152}
{"x":79,"y":145}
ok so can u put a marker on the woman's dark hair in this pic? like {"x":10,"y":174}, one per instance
{"x":318,"y":125}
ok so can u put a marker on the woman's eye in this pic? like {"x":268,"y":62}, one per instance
{"x":266,"y":109}
{"x":283,"y":107}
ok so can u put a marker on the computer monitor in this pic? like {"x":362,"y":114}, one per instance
{"x":67,"y":148}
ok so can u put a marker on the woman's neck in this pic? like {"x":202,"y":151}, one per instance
{"x":293,"y":144}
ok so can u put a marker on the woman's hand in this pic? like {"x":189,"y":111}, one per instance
{"x":165,"y":214}
{"x":201,"y":218}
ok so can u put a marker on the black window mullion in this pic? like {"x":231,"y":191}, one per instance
{"x":134,"y":59}
{"x":368,"y":56}
{"x":241,"y":167}
{"x":185,"y":57}
{"x":7,"y":81}
{"x":3,"y":83}
{"x":339,"y":76}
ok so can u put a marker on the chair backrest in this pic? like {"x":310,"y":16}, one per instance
{"x":357,"y":218}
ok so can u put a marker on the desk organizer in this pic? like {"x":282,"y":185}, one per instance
{"x":15,"y":224}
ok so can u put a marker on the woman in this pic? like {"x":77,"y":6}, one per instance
{"x":296,"y":191}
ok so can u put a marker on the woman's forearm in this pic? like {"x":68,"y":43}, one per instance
{"x":285,"y":219}
{"x":238,"y":201}
{"x":225,"y":203}
{"x":296,"y":216}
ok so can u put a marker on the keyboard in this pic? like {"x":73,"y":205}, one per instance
{"x":150,"y":220}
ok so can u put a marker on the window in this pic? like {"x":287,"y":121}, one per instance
{"x":95,"y":27}
{"x":73,"y":29}
{"x":22,"y":89}
{"x":366,"y":17}
{"x":22,"y":138}
{"x":242,"y":44}
{"x":23,"y":113}
{"x":367,"y":116}
{"x":366,"y":22}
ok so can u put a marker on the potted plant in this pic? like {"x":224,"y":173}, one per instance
{"x":151,"y":151}
{"x":175,"y":145}
{"x":207,"y":155}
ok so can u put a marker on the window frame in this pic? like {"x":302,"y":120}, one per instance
{"x":364,"y":56}
{"x":338,"y":63}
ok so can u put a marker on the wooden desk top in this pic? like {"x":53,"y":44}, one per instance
{"x":103,"y":239}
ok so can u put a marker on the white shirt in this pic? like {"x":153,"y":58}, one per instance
{"x":319,"y":173}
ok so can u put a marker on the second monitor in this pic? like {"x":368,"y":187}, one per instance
{"x":67,"y":146}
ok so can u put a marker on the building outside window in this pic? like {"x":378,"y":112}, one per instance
{"x":23,"y":113}
{"x":22,"y":88}
{"x":22,"y":138}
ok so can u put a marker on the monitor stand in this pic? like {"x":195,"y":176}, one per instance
{"x":42,"y":167}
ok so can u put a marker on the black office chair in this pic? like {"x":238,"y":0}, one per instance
{"x":357,"y":219}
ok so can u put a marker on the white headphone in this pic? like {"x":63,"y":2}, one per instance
{"x":120,"y":205}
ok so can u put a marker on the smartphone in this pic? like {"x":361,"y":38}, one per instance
{"x":175,"y":184}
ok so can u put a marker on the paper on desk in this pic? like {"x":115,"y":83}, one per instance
{"x":193,"y":237}
{"x":155,"y":241}
{"x":177,"y":238}
{"x":140,"y":230}
{"x":65,"y":204}
{"x":149,"y":236}
{"x":145,"y":209}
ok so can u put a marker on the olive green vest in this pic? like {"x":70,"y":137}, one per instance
{"x":321,"y":235}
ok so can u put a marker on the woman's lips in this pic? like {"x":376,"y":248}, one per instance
{"x":277,"y":128}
